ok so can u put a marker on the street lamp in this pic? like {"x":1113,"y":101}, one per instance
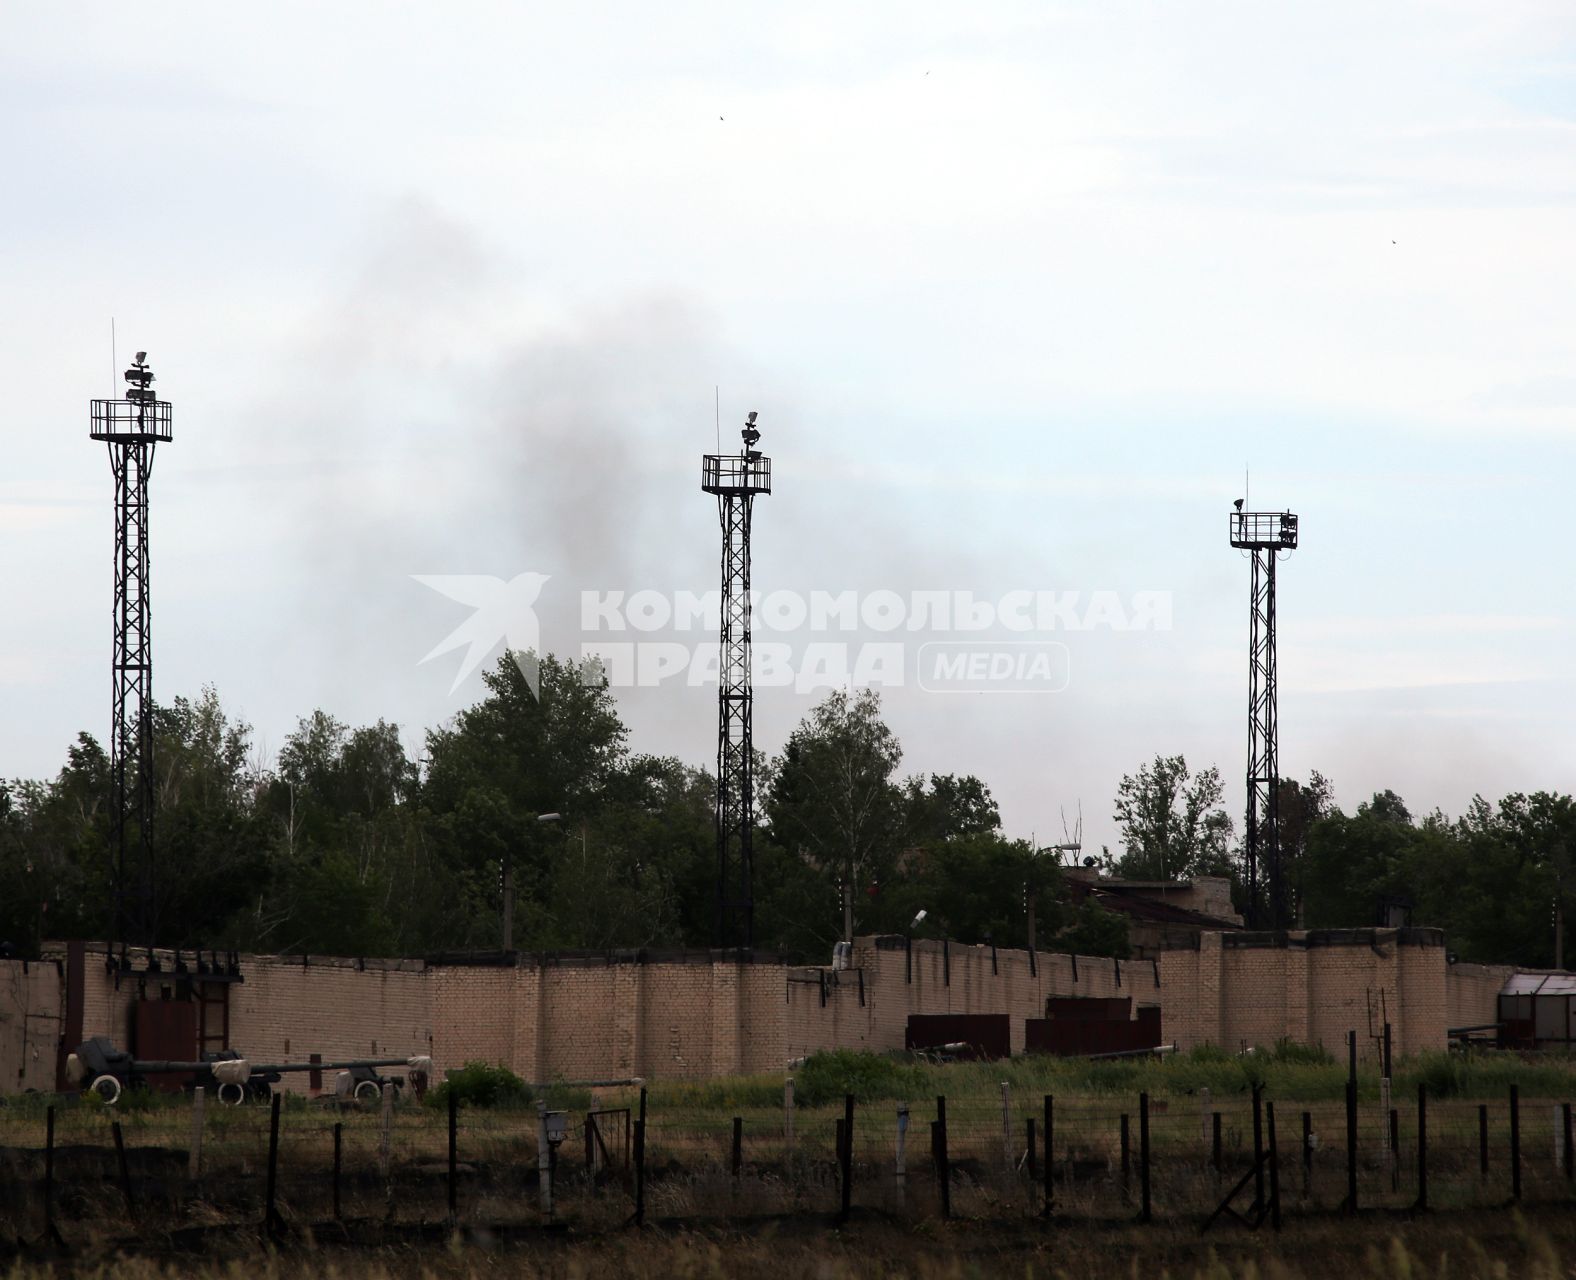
{"x":508,"y":888}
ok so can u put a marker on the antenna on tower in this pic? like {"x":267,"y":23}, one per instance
{"x":132,"y":427}
{"x":1264,"y":535}
{"x":735,"y":479}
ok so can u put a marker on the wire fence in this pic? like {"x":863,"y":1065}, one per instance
{"x":1250,"y":1159}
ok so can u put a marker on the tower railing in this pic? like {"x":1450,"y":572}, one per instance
{"x":131,"y":421}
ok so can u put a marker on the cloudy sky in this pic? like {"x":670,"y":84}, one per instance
{"x":1020,"y":291}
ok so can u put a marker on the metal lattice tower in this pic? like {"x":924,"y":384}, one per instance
{"x":132,"y":427}
{"x":735,"y":479}
{"x":1263,"y":535}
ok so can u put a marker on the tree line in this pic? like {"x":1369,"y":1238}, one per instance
{"x":345,"y":845}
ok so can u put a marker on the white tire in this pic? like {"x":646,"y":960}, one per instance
{"x":231,"y":1094}
{"x":108,"y":1088}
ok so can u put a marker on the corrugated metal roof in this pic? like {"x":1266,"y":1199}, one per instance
{"x":1540,"y":984}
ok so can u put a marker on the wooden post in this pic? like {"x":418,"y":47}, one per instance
{"x":1515,"y":1143}
{"x":640,"y":1161}
{"x":1258,"y":1147}
{"x":125,"y":1171}
{"x":943,"y":1168}
{"x":1217,"y":1154}
{"x":1050,"y":1155}
{"x":848,"y":1157}
{"x":50,"y":1230}
{"x":1483,"y":1139}
{"x":738,"y":1146}
{"x":454,"y":1157}
{"x":271,"y":1213}
{"x":1144,"y":1214}
{"x":1394,"y":1141}
{"x":1351,"y":1144}
{"x":1203,"y":1115}
{"x":386,"y":1135}
{"x":339,"y":1143}
{"x":1274,"y":1161}
{"x":788,"y":1120}
{"x":1422,"y":1147}
{"x":194,"y":1147}
{"x":900,"y":1172}
{"x":1006,"y":1126}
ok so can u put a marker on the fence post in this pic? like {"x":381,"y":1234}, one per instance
{"x":1127,"y":1160}
{"x":194,"y":1153}
{"x":1394,"y":1141}
{"x":544,"y":1158}
{"x":1351,"y":1145}
{"x":640,"y":1162}
{"x":454,"y":1157}
{"x":51,"y":1232}
{"x":1565,"y":1124}
{"x":1307,"y":1154}
{"x":1217,"y":1155}
{"x":1050,"y":1154}
{"x":738,"y":1146}
{"x":788,"y":1121}
{"x":339,"y":1137}
{"x":1483,"y":1139}
{"x":1258,"y":1147}
{"x":847,"y":1157}
{"x":1006,"y":1125}
{"x":1422,"y":1147}
{"x":1274,"y":1159}
{"x":1515,"y":1143}
{"x":943,"y":1168}
{"x":125,"y":1172}
{"x":900,"y":1172}
{"x":1203,"y":1116}
{"x":386,"y":1138}
{"x":271,"y":1219}
{"x":1143,"y":1157}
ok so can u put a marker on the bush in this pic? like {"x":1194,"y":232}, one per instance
{"x":1293,"y":1053}
{"x":871,"y":1077}
{"x":477,"y":1084}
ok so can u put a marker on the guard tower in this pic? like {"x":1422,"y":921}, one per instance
{"x":736,"y":479}
{"x":132,"y":427}
{"x":1265,"y":536}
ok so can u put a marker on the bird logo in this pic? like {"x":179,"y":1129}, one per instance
{"x":501,"y":611}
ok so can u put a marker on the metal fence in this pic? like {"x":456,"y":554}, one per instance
{"x":1243,"y":1159}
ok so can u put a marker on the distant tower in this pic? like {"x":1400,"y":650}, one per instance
{"x":132,"y":427}
{"x":735,"y":479}
{"x":1263,"y":535}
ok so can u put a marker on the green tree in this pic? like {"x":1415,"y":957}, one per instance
{"x":1172,"y":824}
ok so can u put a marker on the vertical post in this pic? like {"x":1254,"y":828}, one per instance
{"x":271,"y":1220}
{"x":544,"y":1162}
{"x":1483,"y":1139}
{"x":1006,"y":1125}
{"x":1143,"y":1157}
{"x":900,"y":1172}
{"x":1307,"y":1153}
{"x":1515,"y":1143}
{"x":738,"y":1146}
{"x":386,"y":1136}
{"x":1351,"y":1146}
{"x":788,"y":1121}
{"x":1387,"y":1044}
{"x":640,"y":1162}
{"x":590,"y":1128}
{"x":454,"y":1157}
{"x":125,"y":1171}
{"x":1203,"y":1115}
{"x":194,"y":1147}
{"x":1274,"y":1161}
{"x":1216,"y":1154}
{"x":1258,"y":1147}
{"x":339,"y":1139}
{"x":848,"y":1157}
{"x":1351,"y":1057}
{"x":1565,"y":1124}
{"x":943,"y":1168}
{"x":1050,"y":1154}
{"x":1127,"y":1161}
{"x":50,"y":1231}
{"x":1394,"y":1142}
{"x":1422,"y":1147}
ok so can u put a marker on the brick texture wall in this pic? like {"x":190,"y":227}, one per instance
{"x":31,"y":1011}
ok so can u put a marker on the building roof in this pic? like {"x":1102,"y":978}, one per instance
{"x":1132,"y":900}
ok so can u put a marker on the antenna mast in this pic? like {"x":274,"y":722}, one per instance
{"x":132,"y":427}
{"x":735,"y":479}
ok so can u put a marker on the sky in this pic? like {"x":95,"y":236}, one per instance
{"x":1022,"y":293}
